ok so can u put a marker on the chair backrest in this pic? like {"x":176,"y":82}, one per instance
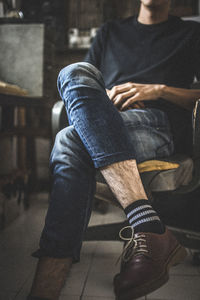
{"x":59,"y":118}
{"x":192,"y":18}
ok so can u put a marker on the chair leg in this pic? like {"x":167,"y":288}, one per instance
{"x":196,"y":259}
{"x":101,"y":206}
{"x":105,"y":232}
{"x":187,"y":238}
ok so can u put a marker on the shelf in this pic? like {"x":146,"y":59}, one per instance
{"x":66,"y":50}
{"x":27,"y":132}
{"x":23,"y":100}
{"x":20,"y":21}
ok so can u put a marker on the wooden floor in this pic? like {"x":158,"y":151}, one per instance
{"x":91,"y":279}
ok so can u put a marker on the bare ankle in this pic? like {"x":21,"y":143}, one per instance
{"x":50,"y":277}
{"x":124,"y":180}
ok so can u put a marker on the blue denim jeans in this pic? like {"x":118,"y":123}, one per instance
{"x":98,"y":135}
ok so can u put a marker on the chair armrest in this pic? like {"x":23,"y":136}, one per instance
{"x":58,"y":118}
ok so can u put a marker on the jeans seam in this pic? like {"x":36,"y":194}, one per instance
{"x":83,"y":133}
{"x":150,"y":126}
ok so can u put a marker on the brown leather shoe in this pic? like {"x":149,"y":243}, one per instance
{"x":146,"y":261}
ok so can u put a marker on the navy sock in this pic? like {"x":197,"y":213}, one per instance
{"x":143,"y":218}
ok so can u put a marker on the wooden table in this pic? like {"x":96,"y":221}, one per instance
{"x":15,"y":123}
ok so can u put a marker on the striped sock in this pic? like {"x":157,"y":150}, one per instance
{"x":143,"y":218}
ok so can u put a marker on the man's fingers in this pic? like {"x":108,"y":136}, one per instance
{"x":138,"y":104}
{"x":129,"y":101}
{"x":118,"y":89}
{"x":108,"y":93}
{"x":123,"y":88}
{"x":121,"y":97}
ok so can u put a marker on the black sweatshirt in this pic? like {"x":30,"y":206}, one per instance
{"x":165,"y":53}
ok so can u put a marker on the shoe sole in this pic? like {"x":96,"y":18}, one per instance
{"x":176,"y":257}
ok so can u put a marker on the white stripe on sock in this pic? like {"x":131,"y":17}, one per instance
{"x":146,"y":220}
{"x":144,"y":213}
{"x":138,"y":209}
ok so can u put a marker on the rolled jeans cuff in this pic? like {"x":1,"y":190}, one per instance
{"x":41,"y":253}
{"x":112,"y":158}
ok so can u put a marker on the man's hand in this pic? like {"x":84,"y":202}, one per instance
{"x":131,"y":95}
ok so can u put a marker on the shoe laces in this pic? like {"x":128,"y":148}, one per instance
{"x":136,"y":245}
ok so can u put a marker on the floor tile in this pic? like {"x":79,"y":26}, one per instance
{"x":108,"y":247}
{"x":14,"y":279}
{"x":69,"y":297}
{"x":102,"y":298}
{"x":197,"y":264}
{"x":87,"y":251}
{"x":99,"y":285}
{"x":178,"y":288}
{"x":15,"y":257}
{"x":77,"y":277}
{"x":25,"y":290}
{"x":185,"y":268}
{"x":7,"y":295}
{"x":106,"y":257}
{"x":98,"y":298}
{"x":22,"y":295}
{"x":17,"y":242}
{"x":100,"y":264}
{"x":75,"y":283}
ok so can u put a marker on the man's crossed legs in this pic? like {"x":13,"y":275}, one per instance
{"x":102,"y":138}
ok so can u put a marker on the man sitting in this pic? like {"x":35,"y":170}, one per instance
{"x":128,"y":102}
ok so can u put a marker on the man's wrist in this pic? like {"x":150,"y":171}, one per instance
{"x":161,"y":90}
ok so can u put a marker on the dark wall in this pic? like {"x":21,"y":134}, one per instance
{"x":91,"y":13}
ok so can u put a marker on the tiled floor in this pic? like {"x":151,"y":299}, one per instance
{"x":91,"y":279}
